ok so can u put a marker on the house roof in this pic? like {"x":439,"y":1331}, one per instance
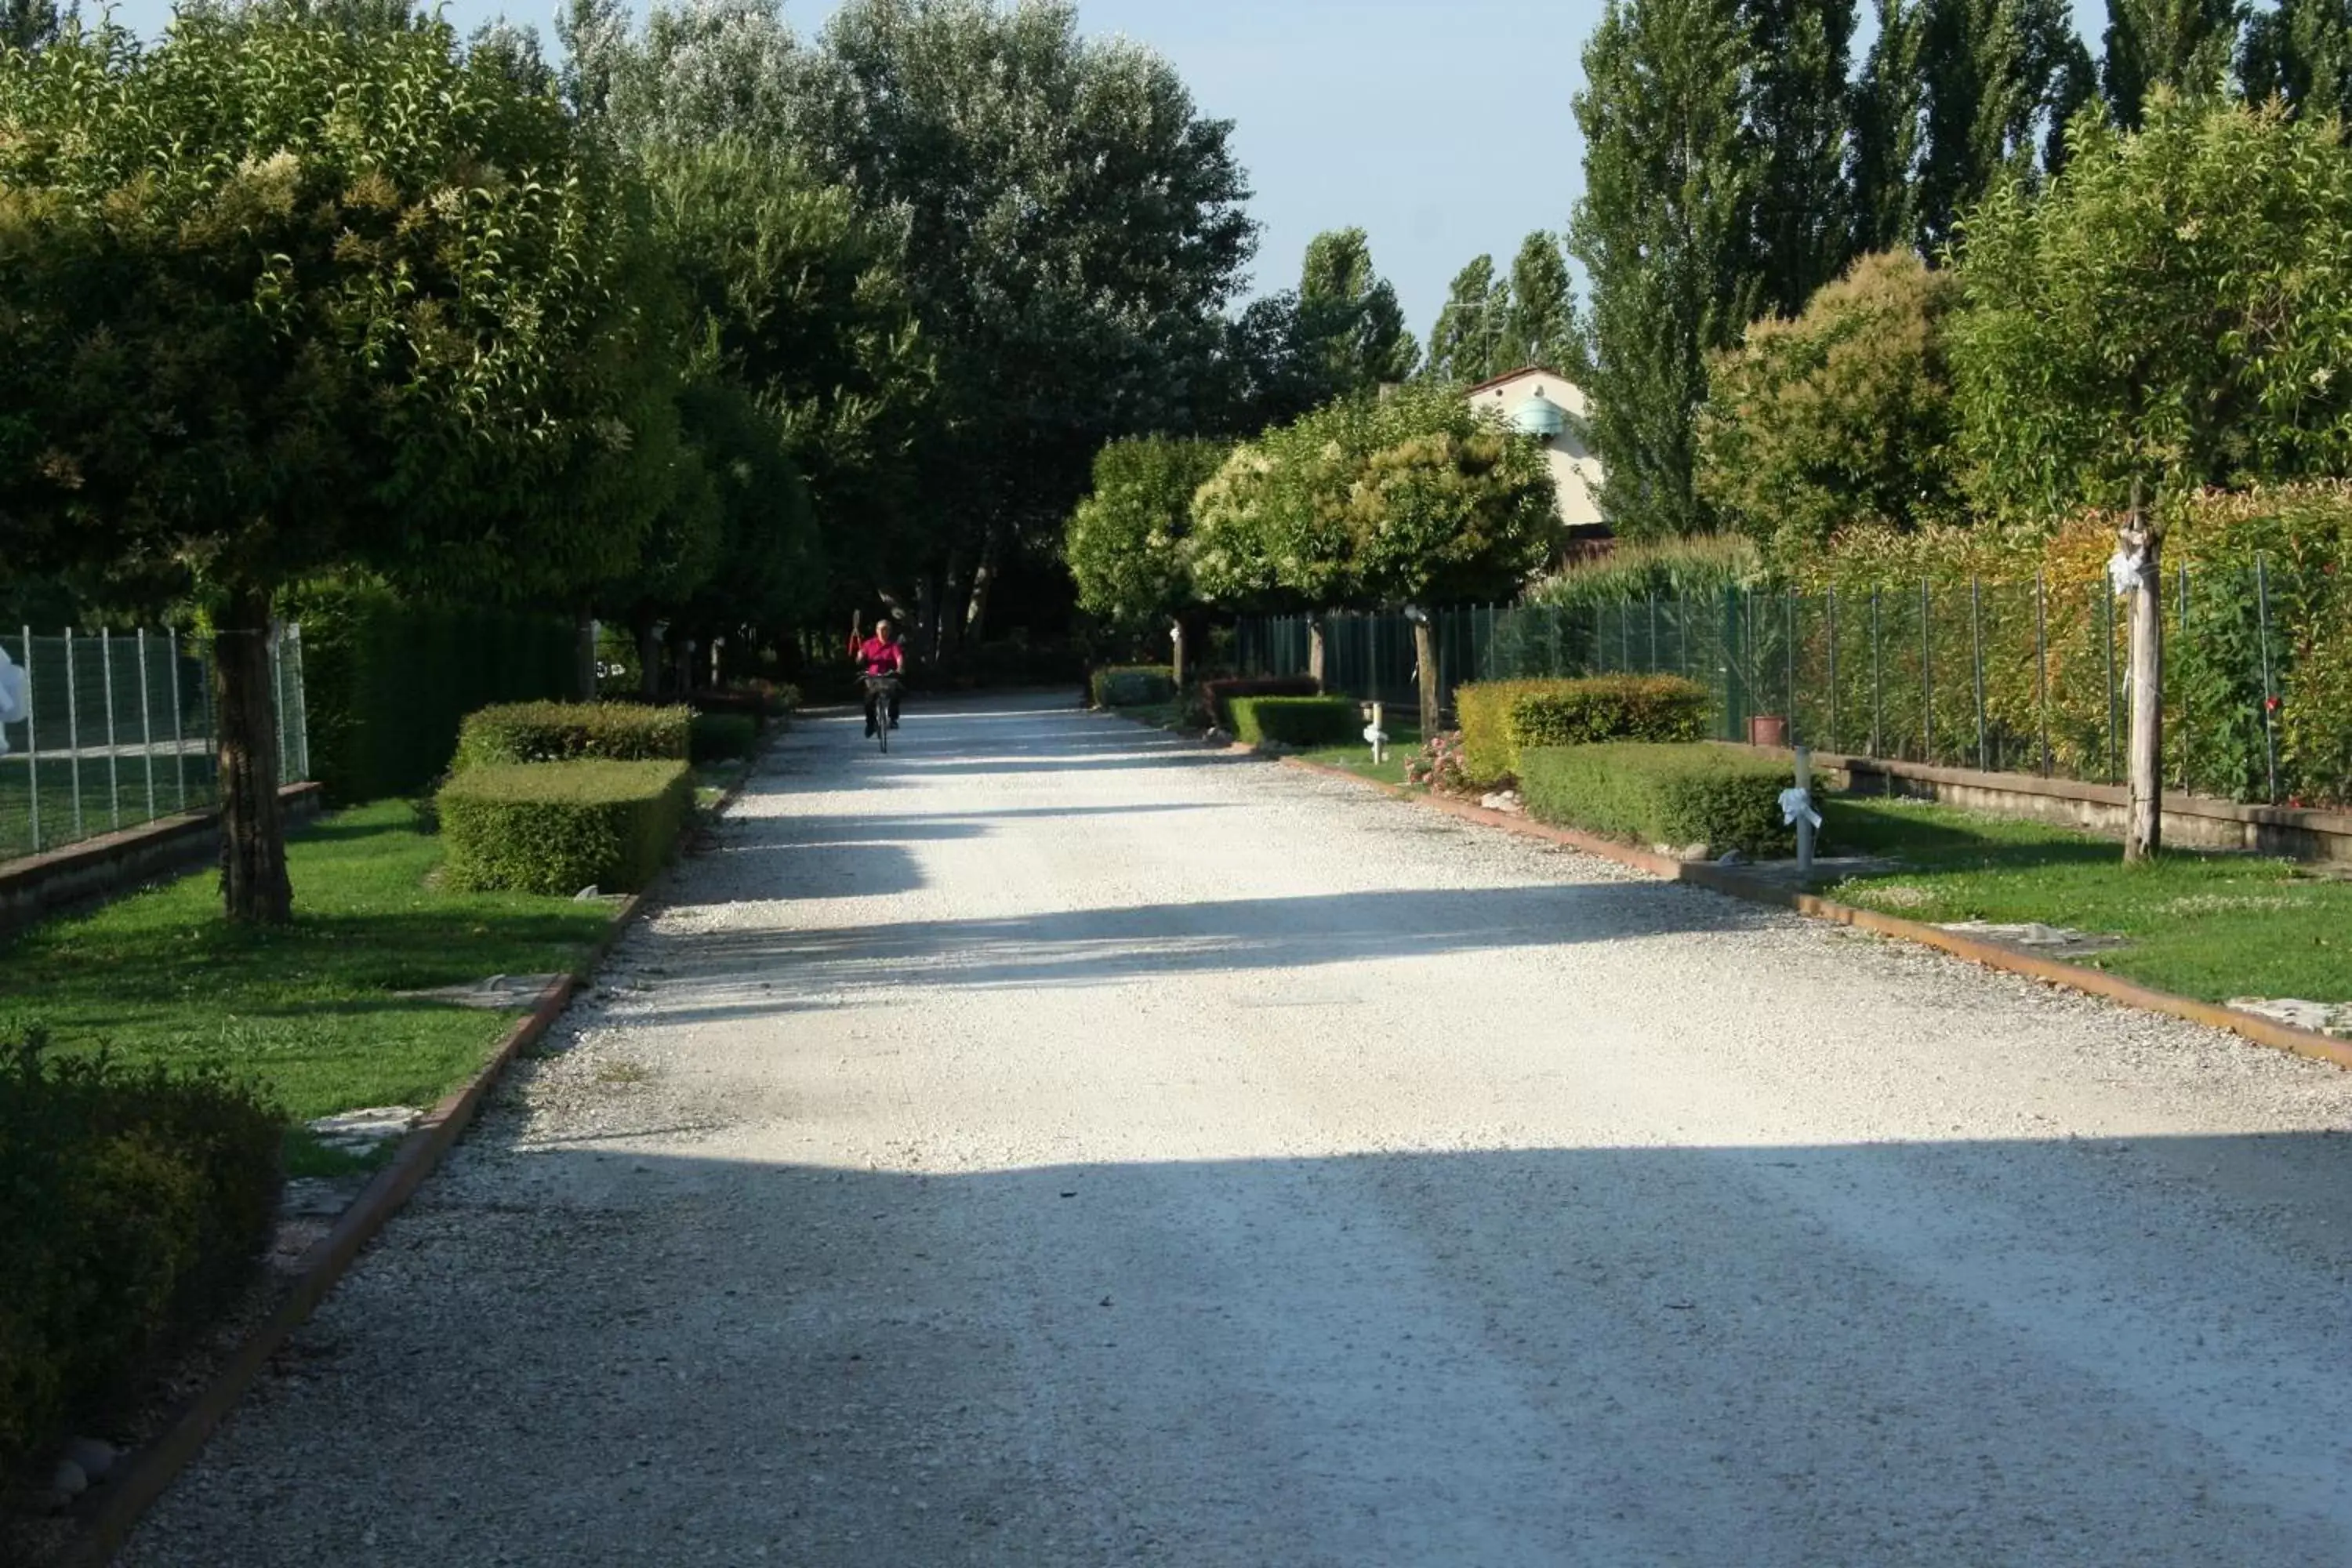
{"x":1492,"y":381}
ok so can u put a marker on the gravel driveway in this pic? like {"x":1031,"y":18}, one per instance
{"x":1053,"y":1144}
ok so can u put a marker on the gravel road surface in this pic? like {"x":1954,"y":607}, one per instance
{"x":1056,"y":1144}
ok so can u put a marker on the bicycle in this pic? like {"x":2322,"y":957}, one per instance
{"x":879,"y":690}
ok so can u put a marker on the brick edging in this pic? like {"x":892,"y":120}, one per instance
{"x":2054,"y":971}
{"x":116,"y":1507}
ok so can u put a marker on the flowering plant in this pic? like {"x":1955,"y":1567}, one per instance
{"x":1438,"y":765}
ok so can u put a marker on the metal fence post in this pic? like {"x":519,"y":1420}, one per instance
{"x":1789,"y":655}
{"x":2042,"y":664}
{"x":301,"y":708}
{"x":147,"y":723}
{"x":179,"y":744}
{"x":2107,"y":598}
{"x":1877,"y":683}
{"x":113,"y":752}
{"x":277,"y":652}
{"x":1831,"y":609}
{"x":32,"y":745}
{"x":73,"y":733}
{"x":2270,"y":689}
{"x":1927,"y":674}
{"x":1976,"y":639}
{"x":2181,"y":579}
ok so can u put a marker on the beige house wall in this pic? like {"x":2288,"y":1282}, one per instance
{"x":1576,"y":472}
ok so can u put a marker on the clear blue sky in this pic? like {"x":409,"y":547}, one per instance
{"x":1441,"y":127}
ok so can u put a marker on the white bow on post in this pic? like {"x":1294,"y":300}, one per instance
{"x":1796,"y":805}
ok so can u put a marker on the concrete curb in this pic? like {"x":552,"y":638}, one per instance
{"x":2075,"y":976}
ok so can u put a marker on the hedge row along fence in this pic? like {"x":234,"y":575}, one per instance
{"x":1295,"y":720}
{"x":137,"y":1202}
{"x":1133,"y":685}
{"x":388,"y":682}
{"x":1986,"y":655}
{"x":1676,"y":798}
{"x":1498,"y":719}
{"x":559,"y":827}
{"x":1213,"y":699}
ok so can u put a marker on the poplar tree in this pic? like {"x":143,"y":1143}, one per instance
{"x":1350,"y":313}
{"x":1466,"y":344}
{"x":1663,"y":232}
{"x":1542,"y":326}
{"x":2302,"y":53}
{"x":2182,"y":43}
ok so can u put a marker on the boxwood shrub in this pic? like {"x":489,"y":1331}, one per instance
{"x":574,"y":732}
{"x":1133,"y":685}
{"x":1295,"y":720}
{"x":1670,"y":796}
{"x":723,"y":737}
{"x":1500,"y":718}
{"x":557,"y":828}
{"x":136,"y":1203}
{"x":1213,"y":699}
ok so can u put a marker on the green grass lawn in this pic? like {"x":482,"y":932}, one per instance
{"x":310,"y":1011}
{"x":1404,"y":740}
{"x":2209,"y":926}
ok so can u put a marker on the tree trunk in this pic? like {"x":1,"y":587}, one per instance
{"x":2144,"y":825}
{"x":254,"y":888}
{"x":1424,"y":654}
{"x":585,"y":653}
{"x":984,"y":578}
{"x":1176,"y":657}
{"x":648,"y":660}
{"x":1314,"y":650}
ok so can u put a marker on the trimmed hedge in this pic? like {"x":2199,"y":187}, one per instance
{"x":1295,"y":720}
{"x":386,"y":682}
{"x":1670,"y":796}
{"x":1213,"y":699}
{"x":136,"y":1203}
{"x":723,"y":737}
{"x":557,"y":828}
{"x":1133,"y":685}
{"x":1499,"y":718}
{"x":574,"y":732}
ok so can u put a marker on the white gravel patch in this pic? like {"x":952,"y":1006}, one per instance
{"x":1052,"y":1145}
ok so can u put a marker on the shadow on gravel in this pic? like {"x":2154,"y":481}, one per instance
{"x":1099,"y":946}
{"x":1927,"y":1353}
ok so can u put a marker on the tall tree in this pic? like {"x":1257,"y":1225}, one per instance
{"x":27,"y":24}
{"x":1540,"y":326}
{"x":1663,"y":232}
{"x":1468,"y":343}
{"x":1350,"y":313}
{"x":288,"y":296}
{"x":2174,"y":312}
{"x":2185,"y":44}
{"x":1798,"y":110}
{"x":1888,"y":134}
{"x":1125,"y":544}
{"x":1075,"y":229}
{"x":2002,"y":78}
{"x":2300,"y":51}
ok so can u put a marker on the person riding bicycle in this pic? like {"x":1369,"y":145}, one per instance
{"x":881,"y":656}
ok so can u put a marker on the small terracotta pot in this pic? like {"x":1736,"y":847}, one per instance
{"x":1768,"y":730}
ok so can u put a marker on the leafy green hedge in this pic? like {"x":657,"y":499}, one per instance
{"x":1498,"y":718}
{"x":574,"y":732}
{"x":557,"y":828}
{"x":1213,"y":699}
{"x":1661,"y":795}
{"x":1295,"y":720}
{"x":386,"y":682}
{"x":1133,"y":685}
{"x":723,"y":737}
{"x":133,"y":1203}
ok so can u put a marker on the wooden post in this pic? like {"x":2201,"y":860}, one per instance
{"x":1425,"y":652}
{"x":2142,"y":541}
{"x":1176,"y":657}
